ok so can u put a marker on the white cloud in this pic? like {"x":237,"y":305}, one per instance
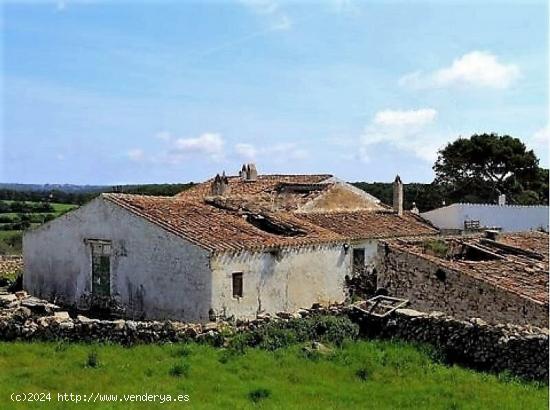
{"x":542,"y":136}
{"x":270,"y":10}
{"x":474,"y":69}
{"x":406,"y":130}
{"x":279,"y":152}
{"x":405,"y":118}
{"x":136,"y":154}
{"x":209,"y":144}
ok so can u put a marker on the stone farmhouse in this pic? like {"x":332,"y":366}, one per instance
{"x":501,"y":278}
{"x":231,"y":246}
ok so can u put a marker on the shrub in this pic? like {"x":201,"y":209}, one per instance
{"x":259,"y":394}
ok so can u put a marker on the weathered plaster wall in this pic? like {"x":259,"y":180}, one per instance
{"x":411,"y":277}
{"x":340,"y":198}
{"x":153,"y":273}
{"x":272,"y":283}
{"x":290,"y":280}
{"x":511,"y":218}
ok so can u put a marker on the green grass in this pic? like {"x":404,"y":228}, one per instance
{"x":62,"y":208}
{"x":360,"y":375}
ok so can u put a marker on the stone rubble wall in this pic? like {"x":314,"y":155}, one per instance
{"x":408,"y":276}
{"x":521,"y":350}
{"x":10,"y":264}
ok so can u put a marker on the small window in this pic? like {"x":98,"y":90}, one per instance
{"x":237,"y":280}
{"x":359,"y":257}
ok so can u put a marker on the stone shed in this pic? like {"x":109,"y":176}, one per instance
{"x":501,"y":278}
{"x":231,"y":246}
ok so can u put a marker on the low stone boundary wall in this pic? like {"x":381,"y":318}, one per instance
{"x":521,"y":350}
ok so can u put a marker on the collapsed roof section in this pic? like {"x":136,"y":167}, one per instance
{"x":515,"y":262}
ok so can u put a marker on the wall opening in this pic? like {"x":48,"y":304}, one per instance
{"x":237,"y":284}
{"x":101,"y":267}
{"x":358,"y":260}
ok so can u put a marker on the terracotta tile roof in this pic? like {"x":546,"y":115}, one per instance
{"x":523,"y":274}
{"x":263,"y":184}
{"x":371,"y":224}
{"x":220,"y":229}
{"x":263,"y":214}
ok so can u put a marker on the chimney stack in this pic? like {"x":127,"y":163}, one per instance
{"x":220,"y":185}
{"x":249,"y":172}
{"x":398,"y":196}
{"x":242,"y":172}
{"x":502,"y":200}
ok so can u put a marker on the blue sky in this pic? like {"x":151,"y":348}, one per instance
{"x":108,"y":92}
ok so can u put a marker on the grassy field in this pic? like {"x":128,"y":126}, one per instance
{"x":366,"y":374}
{"x":10,"y":240}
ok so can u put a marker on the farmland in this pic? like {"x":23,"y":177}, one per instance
{"x":361,"y":374}
{"x":16,"y":216}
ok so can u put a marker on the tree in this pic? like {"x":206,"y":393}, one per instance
{"x":479,"y":168}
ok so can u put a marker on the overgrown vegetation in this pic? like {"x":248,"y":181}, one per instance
{"x":276,"y":335}
{"x":361,"y":374}
{"x":436,"y":247}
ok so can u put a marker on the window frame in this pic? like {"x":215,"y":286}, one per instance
{"x":237,"y":281}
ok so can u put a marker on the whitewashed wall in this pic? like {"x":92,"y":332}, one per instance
{"x":511,"y":218}
{"x":153,"y":272}
{"x":296,"y":278}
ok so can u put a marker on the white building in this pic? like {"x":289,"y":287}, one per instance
{"x":508,"y":218}
{"x":232,"y":246}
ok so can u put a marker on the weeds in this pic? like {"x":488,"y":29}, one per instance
{"x":258,"y":395}
{"x":180,"y":369}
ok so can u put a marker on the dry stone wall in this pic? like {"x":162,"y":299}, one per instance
{"x":521,"y":350}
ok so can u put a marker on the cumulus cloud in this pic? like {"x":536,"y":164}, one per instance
{"x":474,"y":69}
{"x":406,"y":130}
{"x":271,"y":11}
{"x":401,"y":118}
{"x":208,"y":144}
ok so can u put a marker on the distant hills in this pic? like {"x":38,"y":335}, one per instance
{"x":69,"y":188}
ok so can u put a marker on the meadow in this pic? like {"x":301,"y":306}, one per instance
{"x":358,"y":375}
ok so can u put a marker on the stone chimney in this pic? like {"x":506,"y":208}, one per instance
{"x":251,"y":174}
{"x":242,"y":172}
{"x":398,"y":196}
{"x":220,"y":185}
{"x":502,"y":200}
